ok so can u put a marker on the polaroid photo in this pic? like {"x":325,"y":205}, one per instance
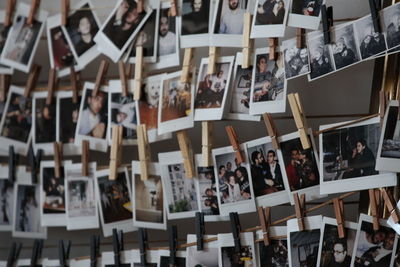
{"x":148,"y":200}
{"x":335,"y":251}
{"x":120,"y":28}
{"x":235,"y":190}
{"x":301,"y":173}
{"x":80,"y":198}
{"x":270,"y":18}
{"x":239,"y":95}
{"x":227,"y":23}
{"x":321,"y":56}
{"x":373,"y":247}
{"x":67,"y":119}
{"x":268,"y":84}
{"x":276,"y":253}
{"x":3,"y":37}
{"x":370,"y":43}
{"x":296,"y":60}
{"x":148,"y":107}
{"x":305,"y":14}
{"x":16,"y":122}
{"x":390,"y":22}
{"x":152,"y":258}
{"x":212,"y":89}
{"x":180,"y":193}
{"x":44,"y":125}
{"x":23,"y":39}
{"x":348,"y":158}
{"x":175,"y":112}
{"x":266,"y":172}
{"x":163,"y":259}
{"x":123,"y":111}
{"x":303,"y":245}
{"x":82,"y":26}
{"x":108,"y":259}
{"x":206,"y":257}
{"x":114,"y":201}
{"x":93,"y":118}
{"x":6,"y":203}
{"x":227,"y":254}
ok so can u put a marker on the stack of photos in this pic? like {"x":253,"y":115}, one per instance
{"x":270,"y":18}
{"x":227,"y":255}
{"x":305,"y":14}
{"x":212,"y":89}
{"x":268,"y":87}
{"x":148,"y":195}
{"x":163,"y":259}
{"x":276,"y":253}
{"x":152,"y":258}
{"x":206,"y":257}
{"x":3,"y":37}
{"x":321,"y":59}
{"x":297,"y":62}
{"x":391,"y":25}
{"x":235,"y":190}
{"x":348,"y":158}
{"x":6,"y":204}
{"x":373,"y":247}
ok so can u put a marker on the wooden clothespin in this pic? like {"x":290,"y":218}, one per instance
{"x":64,"y":12}
{"x":139,"y":66}
{"x":118,"y":246}
{"x":200,"y":230}
{"x":143,"y":245}
{"x":383,"y":102}
{"x":234,"y":143}
{"x":185,"y":147}
{"x":375,"y":7}
{"x":271,"y":129}
{"x":247,"y":42}
{"x":212,"y":60}
{"x":173,"y":10}
{"x":11,"y":164}
{"x":36,"y":252}
{"x":173,"y":244}
{"x":144,"y":151}
{"x":63,"y":252}
{"x":300,"y":119}
{"x":140,"y":6}
{"x":339,"y":213}
{"x":32,"y":12}
{"x":123,"y":77}
{"x":374,"y":209}
{"x":101,"y":73}
{"x":85,"y":157}
{"x":51,"y":86}
{"x":57,"y":146}
{"x":94,"y":250}
{"x":115,"y":153}
{"x":10,"y":7}
{"x":34,"y":162}
{"x":5,"y":82}
{"x":206,"y":142}
{"x":32,"y":80}
{"x":327,"y":22}
{"x":300,"y":38}
{"x":13,"y":254}
{"x":390,"y":204}
{"x":235,"y":227}
{"x":300,"y":207}
{"x":272,"y":44}
{"x":74,"y":84}
{"x":264,"y":215}
{"x":187,"y":61}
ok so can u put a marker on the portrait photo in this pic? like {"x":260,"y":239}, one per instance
{"x":270,"y":18}
{"x":275,"y":255}
{"x":208,"y":190}
{"x":320,"y":56}
{"x":390,"y":18}
{"x":6,"y":204}
{"x":167,"y":35}
{"x":307,"y":7}
{"x":67,"y":118}
{"x":44,"y":121}
{"x":296,"y":60}
{"x":208,"y":257}
{"x":229,"y":16}
{"x":195,"y":16}
{"x":344,"y":46}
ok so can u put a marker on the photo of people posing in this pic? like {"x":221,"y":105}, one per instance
{"x":241,"y":90}
{"x":229,"y":16}
{"x":307,"y":7}
{"x":123,"y":112}
{"x":61,"y":52}
{"x":271,"y":12}
{"x":45,"y":121}
{"x":320,"y":56}
{"x":166,"y":33}
{"x":54,"y":191}
{"x":304,"y":247}
{"x":6,"y":203}
{"x":195,"y":16}
{"x":208,"y":190}
{"x":176,"y":99}
{"x":296,"y":59}
{"x":275,"y":255}
{"x":391,"y":21}
{"x":344,"y":46}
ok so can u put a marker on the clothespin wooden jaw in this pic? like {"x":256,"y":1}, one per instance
{"x":185,"y":147}
{"x":300,"y":119}
{"x":235,"y":226}
{"x":5,"y":82}
{"x":271,"y":129}
{"x":57,"y":146}
{"x":116,"y":145}
{"x":13,"y":255}
{"x":248,"y":43}
{"x":206,"y":140}
{"x":10,"y":7}
{"x":373,"y":205}
{"x":212,"y":59}
{"x":85,"y":157}
{"x":187,"y":61}
{"x":173,"y":10}
{"x":299,"y":205}
{"x":32,"y":12}
{"x":51,"y":86}
{"x":144,"y":151}
{"x":173,"y":244}
{"x":200,"y":230}
{"x":272,"y":44}
{"x":143,"y":245}
{"x":94,"y":250}
{"x":123,"y":77}
{"x":100,"y":77}
{"x":339,"y":213}
{"x":300,"y":38}
{"x":11,"y":164}
{"x":139,"y":66}
{"x":234,"y":143}
{"x":265,"y":219}
{"x":375,"y":7}
{"x":32,"y":80}
{"x":63,"y":252}
{"x":327,"y":22}
{"x":390,"y":204}
{"x":64,"y":11}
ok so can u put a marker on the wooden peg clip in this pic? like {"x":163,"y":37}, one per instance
{"x":187,"y":61}
{"x":264,"y":214}
{"x":64,"y":11}
{"x":144,"y":151}
{"x":173,"y":10}
{"x":300,"y":207}
{"x":140,"y":6}
{"x":212,"y":60}
{"x":383,"y":102}
{"x":185,"y":147}
{"x":247,"y":42}
{"x":374,"y":210}
{"x":10,"y":7}
{"x":206,"y":143}
{"x":390,"y":204}
{"x":32,"y":80}
{"x":339,"y":213}
{"x":115,"y":154}
{"x":5,"y":82}
{"x":85,"y":157}
{"x":272,"y":44}
{"x":300,"y":38}
{"x":74,"y":84}
{"x":32,"y":12}
{"x":57,"y":146}
{"x":51,"y":86}
{"x":101,"y":73}
{"x":271,"y":129}
{"x":300,"y":119}
{"x":123,"y":78}
{"x":234,"y":143}
{"x":138,"y":73}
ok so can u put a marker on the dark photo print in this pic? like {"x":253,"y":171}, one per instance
{"x":176,"y":99}
{"x":166,"y":33}
{"x":54,"y":191}
{"x":304,"y":248}
{"x":69,"y":113}
{"x":62,"y":54}
{"x":208,"y":190}
{"x":344,"y":47}
{"x":45,"y":121}
{"x":230,"y":14}
{"x":146,"y":37}
{"x":195,"y":16}
{"x":391,"y":134}
{"x":296,"y":59}
{"x":27,"y":209}
{"x":179,"y":261}
{"x":307,"y":7}
{"x":241,"y":91}
{"x":274,"y":255}
{"x":123,"y":112}
{"x":6,"y":202}
{"x":232,"y":259}
{"x":270,"y":12}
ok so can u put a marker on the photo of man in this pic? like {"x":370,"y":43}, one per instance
{"x":195,"y":16}
{"x":54,"y":191}
{"x":391,"y":20}
{"x":307,"y":7}
{"x":344,"y":47}
{"x":230,"y":15}
{"x":270,"y":12}
{"x":176,"y":99}
{"x":296,"y":59}
{"x":166,"y":33}
{"x":62,"y":54}
{"x":145,"y":37}
{"x":45,"y":121}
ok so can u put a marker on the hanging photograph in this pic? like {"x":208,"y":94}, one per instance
{"x":227,"y":254}
{"x":235,"y":190}
{"x":175,"y":111}
{"x":3,"y":37}
{"x":108,"y":259}
{"x":163,"y":260}
{"x":270,"y":18}
{"x":181,"y":192}
{"x":348,"y":158}
{"x":305,"y":14}
{"x":208,"y":256}
{"x":296,"y":60}
{"x":276,"y":253}
{"x":152,"y":258}
{"x":212,"y":89}
{"x":6,"y":203}
{"x":390,"y":21}
{"x":320,"y":56}
{"x":268,"y":84}
{"x":344,"y":46}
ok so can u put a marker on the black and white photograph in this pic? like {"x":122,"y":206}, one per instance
{"x":152,"y":258}
{"x":80,"y":199}
{"x":82,"y":26}
{"x":370,"y":43}
{"x":390,"y":20}
{"x":268,"y":87}
{"x":227,"y":255}
{"x":373,"y":247}
{"x":296,"y":60}
{"x":122,"y":111}
{"x":208,"y":257}
{"x":93,"y":118}
{"x":305,"y":14}
{"x":148,"y":195}
{"x":348,"y":158}
{"x":6,"y":204}
{"x":114,"y":200}
{"x":181,"y":192}
{"x":270,"y":18}
{"x":344,"y":47}
{"x":235,"y":189}
{"x":276,"y":253}
{"x":23,"y":39}
{"x":3,"y":37}
{"x":321,"y":58}
{"x":212,"y":89}
{"x":303,"y":245}
{"x":266,"y":172}
{"x":163,"y":261}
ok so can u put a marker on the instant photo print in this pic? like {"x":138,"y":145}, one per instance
{"x":227,"y":254}
{"x":305,"y":14}
{"x":206,"y":257}
{"x":296,"y":60}
{"x":275,"y":254}
{"x":391,"y":25}
{"x":269,"y":19}
{"x":3,"y":37}
{"x":152,"y":257}
{"x":163,"y":260}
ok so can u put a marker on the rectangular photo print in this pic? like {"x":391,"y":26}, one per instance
{"x":227,"y":255}
{"x":148,"y":205}
{"x":268,"y":84}
{"x":163,"y":259}
{"x":270,"y":17}
{"x":212,"y":89}
{"x":6,"y":203}
{"x":390,"y":22}
{"x":3,"y":37}
{"x":180,"y":193}
{"x":266,"y":172}
{"x":305,"y":14}
{"x":235,"y":190}
{"x":321,"y":56}
{"x":152,"y":258}
{"x":296,"y":60}
{"x":344,"y":47}
{"x":348,"y":158}
{"x":276,"y":253}
{"x":108,"y":259}
{"x":206,"y":257}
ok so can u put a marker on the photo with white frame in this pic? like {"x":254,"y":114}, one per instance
{"x":296,"y":60}
{"x":163,"y":259}
{"x":152,"y":257}
{"x":208,"y":256}
{"x":3,"y":37}
{"x":390,"y":23}
{"x":227,"y":254}
{"x":305,"y":16}
{"x":277,"y":251}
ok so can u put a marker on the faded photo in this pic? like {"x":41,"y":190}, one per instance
{"x":242,"y":259}
{"x":123,"y":112}
{"x":195,"y":16}
{"x":81,"y":197}
{"x":320,"y":56}
{"x":62,"y":54}
{"x":230,"y":14}
{"x":69,"y":112}
{"x":6,"y":202}
{"x":146,"y":36}
{"x":296,"y":59}
{"x":166,"y":33}
{"x":241,"y":90}
{"x":208,"y":190}
{"x":307,"y":7}
{"x":274,"y":255}
{"x":53,"y":190}
{"x":391,"y":134}
{"x":207,"y":257}
{"x":344,"y":46}
{"x":271,"y":12}
{"x":45,"y":121}
{"x":27,"y":212}
{"x":176,"y":99}
{"x":304,"y":247}
{"x":149,"y":203}
{"x":148,"y":104}
{"x":390,"y":17}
